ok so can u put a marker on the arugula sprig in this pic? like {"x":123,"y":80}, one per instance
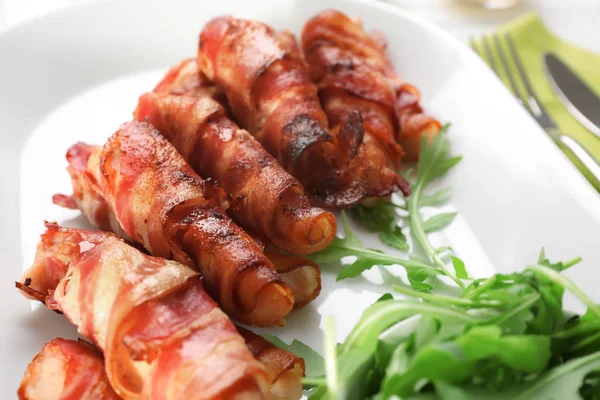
{"x":506,"y":336}
{"x":434,"y":162}
{"x":366,"y":258}
{"x":381,"y":219}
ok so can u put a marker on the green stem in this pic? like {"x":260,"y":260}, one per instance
{"x":331,"y":358}
{"x":524,"y":305}
{"x":416,"y":225}
{"x":558,"y":373}
{"x":579,"y":329}
{"x":567,"y":284}
{"x":572,"y":262}
{"x":385,"y":312}
{"x":387,"y":259}
{"x":446,"y":299}
{"x":482,"y":288}
{"x":587,"y":341}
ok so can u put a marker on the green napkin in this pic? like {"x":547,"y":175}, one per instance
{"x":532,"y":40}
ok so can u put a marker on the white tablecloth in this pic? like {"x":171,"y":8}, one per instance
{"x":574,"y":20}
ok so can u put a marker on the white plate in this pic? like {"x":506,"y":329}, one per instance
{"x":76,"y":75}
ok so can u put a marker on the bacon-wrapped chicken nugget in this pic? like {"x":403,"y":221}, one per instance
{"x":162,"y":336}
{"x":66,"y":370}
{"x":271,"y":94}
{"x":264,"y":197}
{"x":353,"y":73}
{"x":160,"y":202}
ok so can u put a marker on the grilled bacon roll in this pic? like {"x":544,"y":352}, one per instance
{"x":349,"y":68}
{"x":302,"y":275}
{"x":353,"y":72}
{"x":271,"y":94}
{"x":285,"y":369}
{"x":86,"y":196}
{"x":74,"y":370}
{"x":414,"y":122}
{"x":264,"y":197}
{"x":162,"y":336}
{"x":161,"y":203}
{"x":66,"y":370}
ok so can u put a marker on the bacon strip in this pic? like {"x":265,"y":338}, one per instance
{"x":86,"y":196}
{"x":285,"y":369}
{"x":162,"y":336}
{"x":349,"y":68}
{"x":161,"y":203}
{"x":270,"y":92}
{"x":302,"y":275}
{"x":74,"y":370}
{"x":184,"y":79}
{"x":66,"y":370}
{"x":414,"y":122}
{"x":353,"y":73}
{"x":264,"y":197}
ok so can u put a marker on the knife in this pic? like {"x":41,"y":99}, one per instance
{"x":580,"y":101}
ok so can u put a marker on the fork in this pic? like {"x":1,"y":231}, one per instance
{"x":531,"y":101}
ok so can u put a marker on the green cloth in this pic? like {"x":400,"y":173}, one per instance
{"x":532,"y":40}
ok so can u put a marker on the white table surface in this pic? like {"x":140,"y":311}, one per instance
{"x":574,"y":20}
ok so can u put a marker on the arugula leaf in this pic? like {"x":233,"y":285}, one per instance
{"x":380,"y":218}
{"x":433,"y":163}
{"x":433,"y":160}
{"x":313,"y":360}
{"x":562,"y":382}
{"x":566,"y":283}
{"x":358,"y":353}
{"x":394,"y":238}
{"x":416,"y":278}
{"x":384,"y":297}
{"x":366,"y":258}
{"x":459,"y":268}
{"x":437,"y":198}
{"x":559,"y":266}
{"x":438,"y":222}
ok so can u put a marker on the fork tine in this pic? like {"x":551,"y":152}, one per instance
{"x":473,"y":44}
{"x":532,"y":100}
{"x":490,"y":56}
{"x":504,"y":61}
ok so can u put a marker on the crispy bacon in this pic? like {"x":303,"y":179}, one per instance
{"x":66,"y":370}
{"x":74,"y":370}
{"x":285,"y":369}
{"x":162,"y":336}
{"x":302,"y":275}
{"x":161,"y":203}
{"x":185,"y":79}
{"x":353,"y":73}
{"x":264,"y":197}
{"x":349,"y":68}
{"x":86,"y":195}
{"x":414,"y":122}
{"x":270,"y":92}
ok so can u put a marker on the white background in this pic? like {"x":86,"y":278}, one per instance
{"x":574,"y":20}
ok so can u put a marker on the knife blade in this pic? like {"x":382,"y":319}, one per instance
{"x":580,"y":101}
